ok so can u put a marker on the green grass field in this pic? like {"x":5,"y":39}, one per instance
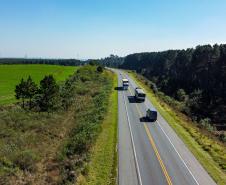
{"x":10,"y":75}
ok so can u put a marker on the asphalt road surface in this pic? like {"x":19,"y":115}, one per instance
{"x":150,"y":153}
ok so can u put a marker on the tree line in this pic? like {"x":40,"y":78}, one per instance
{"x":64,"y":62}
{"x":196,"y":77}
{"x":111,"y":61}
{"x":45,"y":98}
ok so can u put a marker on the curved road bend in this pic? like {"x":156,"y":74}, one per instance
{"x":152,"y":153}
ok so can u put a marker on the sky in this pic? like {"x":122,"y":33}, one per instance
{"x":97,"y":28}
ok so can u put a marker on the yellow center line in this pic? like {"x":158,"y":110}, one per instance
{"x":168,"y":179}
{"x":158,"y":155}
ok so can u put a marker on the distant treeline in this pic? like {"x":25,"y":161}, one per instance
{"x":196,"y":77}
{"x":111,"y":61}
{"x":64,"y":62}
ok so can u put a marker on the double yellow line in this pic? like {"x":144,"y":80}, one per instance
{"x":151,"y":140}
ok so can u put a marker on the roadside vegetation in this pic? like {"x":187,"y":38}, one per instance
{"x":48,"y":136}
{"x":92,"y":92}
{"x":208,"y":149}
{"x":10,"y":76}
{"x":102,"y":168}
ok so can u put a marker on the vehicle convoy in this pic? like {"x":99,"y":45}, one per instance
{"x":139,"y":94}
{"x":151,"y":115}
{"x":125,"y":83}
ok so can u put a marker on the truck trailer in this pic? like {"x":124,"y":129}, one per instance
{"x":125,"y":83}
{"x":139,"y":94}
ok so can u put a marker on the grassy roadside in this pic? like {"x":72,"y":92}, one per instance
{"x":103,"y":163}
{"x":209,"y":152}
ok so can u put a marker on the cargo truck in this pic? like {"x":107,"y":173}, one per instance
{"x":125,"y":83}
{"x":139,"y":94}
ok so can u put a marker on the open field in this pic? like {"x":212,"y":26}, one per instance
{"x":10,"y":75}
{"x":209,"y":152}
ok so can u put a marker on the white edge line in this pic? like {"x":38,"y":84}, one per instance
{"x":178,"y":153}
{"x":134,"y":149}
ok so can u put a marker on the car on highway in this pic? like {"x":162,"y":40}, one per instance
{"x":139,"y":94}
{"x":151,"y":115}
{"x":125,"y":83}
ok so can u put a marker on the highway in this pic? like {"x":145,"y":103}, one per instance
{"x":150,"y":153}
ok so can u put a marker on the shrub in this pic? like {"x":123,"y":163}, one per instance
{"x":205,"y":123}
{"x":223,"y":137}
{"x":26,"y":160}
{"x":185,"y":109}
{"x":99,"y":69}
{"x":195,"y":100}
{"x":181,"y":95}
{"x":4,"y":162}
{"x":154,"y":87}
{"x":85,"y":78}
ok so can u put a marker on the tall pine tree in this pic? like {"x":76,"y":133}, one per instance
{"x":21,"y":91}
{"x":49,"y":94}
{"x":31,"y":89}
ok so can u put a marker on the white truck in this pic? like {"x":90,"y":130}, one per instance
{"x":139,"y":94}
{"x":125,"y":83}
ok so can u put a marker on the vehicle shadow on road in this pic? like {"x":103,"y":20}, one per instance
{"x":131,"y":99}
{"x":119,"y":88}
{"x":145,"y":119}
